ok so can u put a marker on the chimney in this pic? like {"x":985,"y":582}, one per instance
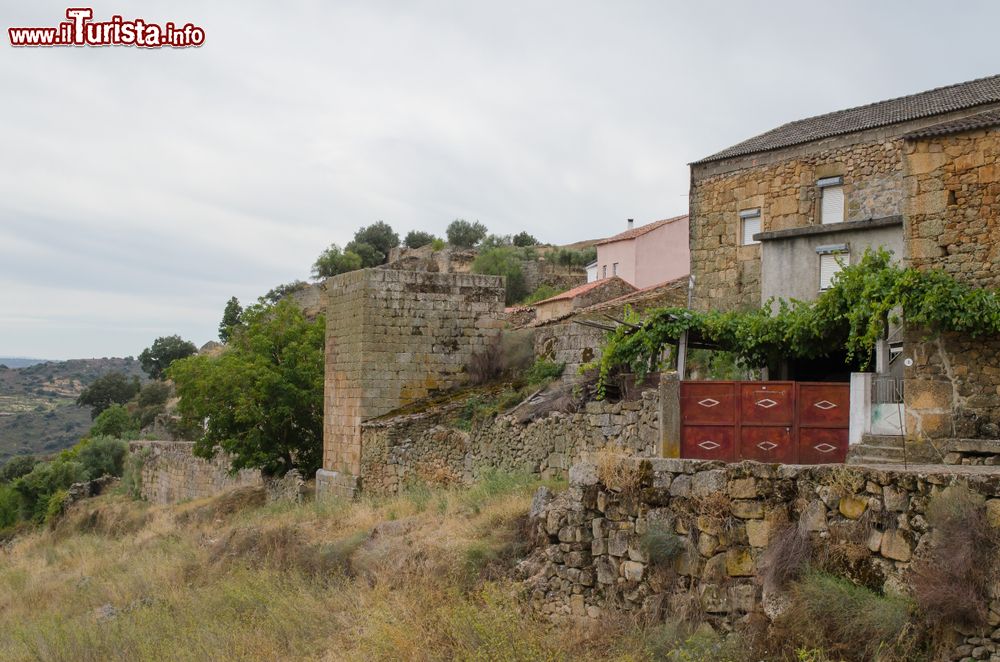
{"x":631,"y":222}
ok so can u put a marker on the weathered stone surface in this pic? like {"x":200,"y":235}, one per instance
{"x":632,"y":571}
{"x":706,"y":483}
{"x":993,"y":512}
{"x":814,"y":517}
{"x":758,"y":533}
{"x":171,"y":473}
{"x":896,"y":546}
{"x":746,"y":509}
{"x":852,"y":507}
{"x":739,"y":563}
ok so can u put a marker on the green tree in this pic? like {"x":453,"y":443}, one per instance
{"x":370,"y":256}
{"x":378,"y":235}
{"x":463,"y":234}
{"x":102,"y":456}
{"x":106,"y":390}
{"x":496,"y":241}
{"x":503,"y":262}
{"x":523,"y":240}
{"x":164,"y":351}
{"x":277,"y":293}
{"x":46,"y":479}
{"x":230,"y":317}
{"x":418,"y":238}
{"x":331,"y":262}
{"x":262,"y":400}
{"x":115,"y":421}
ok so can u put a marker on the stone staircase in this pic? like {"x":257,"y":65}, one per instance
{"x":877,"y":449}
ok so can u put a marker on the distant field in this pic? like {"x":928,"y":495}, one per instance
{"x":38,"y":412}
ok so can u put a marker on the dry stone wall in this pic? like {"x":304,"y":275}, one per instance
{"x":589,"y":560}
{"x":171,"y":473}
{"x":428,"y":447}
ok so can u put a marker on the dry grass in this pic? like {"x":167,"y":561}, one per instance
{"x":422,"y":576}
{"x":952,"y":583}
{"x":617,"y":471}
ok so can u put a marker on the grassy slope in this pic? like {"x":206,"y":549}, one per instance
{"x":419,"y":577}
{"x":38,"y":414}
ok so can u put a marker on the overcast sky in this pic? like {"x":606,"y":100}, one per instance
{"x":140,"y":189}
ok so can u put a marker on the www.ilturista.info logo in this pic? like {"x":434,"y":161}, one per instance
{"x":80,"y":30}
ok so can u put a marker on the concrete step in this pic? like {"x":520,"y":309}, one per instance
{"x":883,"y":440}
{"x":865,"y":454}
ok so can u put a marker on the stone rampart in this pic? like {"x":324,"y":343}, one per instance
{"x":171,"y":473}
{"x":429,"y":448}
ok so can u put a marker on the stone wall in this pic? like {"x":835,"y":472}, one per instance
{"x":427,"y":447}
{"x":589,"y":560}
{"x":727,"y":274}
{"x":394,"y":337}
{"x":952,"y":222}
{"x":171,"y":473}
{"x":570,"y":343}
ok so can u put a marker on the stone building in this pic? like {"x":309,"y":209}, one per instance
{"x":392,"y":338}
{"x":777,"y":214}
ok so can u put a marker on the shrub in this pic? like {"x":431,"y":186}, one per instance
{"x":486,"y":364}
{"x":107,"y":390}
{"x":541,"y":293}
{"x":16,"y":467}
{"x":849,"y":621}
{"x":103,"y":456}
{"x":544,"y":370}
{"x":438,"y":244}
{"x":9,"y":507}
{"x":463,"y":234}
{"x":115,"y":421}
{"x":55,"y":506}
{"x":661,"y":544}
{"x":378,"y":235}
{"x":132,"y":473}
{"x":334,"y":261}
{"x":503,"y":262}
{"x":154,"y":393}
{"x":418,"y":238}
{"x":36,"y":488}
{"x":369,"y":255}
{"x":952,"y":582}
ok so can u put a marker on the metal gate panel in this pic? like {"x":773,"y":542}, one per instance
{"x":783,"y":422}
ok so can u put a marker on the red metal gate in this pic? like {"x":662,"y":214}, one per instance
{"x":787,"y":422}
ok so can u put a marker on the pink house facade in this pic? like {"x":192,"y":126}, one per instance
{"x":647,"y":255}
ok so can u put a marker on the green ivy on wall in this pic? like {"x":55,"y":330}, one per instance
{"x":850,"y":316}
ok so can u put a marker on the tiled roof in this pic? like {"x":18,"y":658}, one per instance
{"x":978,"y":121}
{"x":671,"y":292}
{"x":882,"y":113}
{"x":582,"y":289}
{"x":639,"y":231}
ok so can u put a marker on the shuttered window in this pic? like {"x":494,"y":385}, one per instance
{"x":830,"y":266}
{"x":750,"y":220}
{"x":832,"y":210}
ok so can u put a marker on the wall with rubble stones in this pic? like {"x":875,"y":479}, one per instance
{"x":429,"y":448}
{"x":952,"y":222}
{"x":589,"y":560}
{"x":171,"y":473}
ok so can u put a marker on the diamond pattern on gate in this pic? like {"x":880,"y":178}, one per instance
{"x":767,"y":403}
{"x":825,"y":448}
{"x":709,"y":445}
{"x":708,"y":402}
{"x":824,"y":404}
{"x":767,"y":446}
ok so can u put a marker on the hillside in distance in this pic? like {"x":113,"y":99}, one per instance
{"x":19,"y":361}
{"x":38,"y":412}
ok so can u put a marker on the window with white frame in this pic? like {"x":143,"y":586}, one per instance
{"x":614,"y":269}
{"x":749,"y":226}
{"x":831,"y":200}
{"x":831,"y":260}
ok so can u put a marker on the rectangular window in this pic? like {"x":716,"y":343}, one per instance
{"x":750,"y":225}
{"x":831,"y":200}
{"x":604,"y":271}
{"x":614,"y":269}
{"x":830,"y":265}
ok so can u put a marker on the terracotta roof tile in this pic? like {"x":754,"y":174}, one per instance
{"x":582,"y":289}
{"x":978,"y":121}
{"x":639,"y":231}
